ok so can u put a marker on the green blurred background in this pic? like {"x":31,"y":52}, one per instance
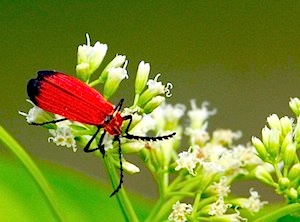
{"x":241,"y":56}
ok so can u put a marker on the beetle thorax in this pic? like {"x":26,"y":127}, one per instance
{"x":114,"y":125}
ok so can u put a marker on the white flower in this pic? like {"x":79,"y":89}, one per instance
{"x":168,"y":114}
{"x":212,"y":167}
{"x":218,"y":208}
{"x":187,"y":160}
{"x":63,"y":136}
{"x":158,"y":88}
{"x":197,"y":136}
{"x":180,"y":210}
{"x":246,"y":155}
{"x":35,"y":114}
{"x":225,"y":137}
{"x":146,"y":124}
{"x":221,"y":188}
{"x":32,"y":115}
{"x":253,"y":203}
{"x":199,"y":116}
{"x":230,"y":163}
{"x":155,"y":88}
{"x":89,"y":58}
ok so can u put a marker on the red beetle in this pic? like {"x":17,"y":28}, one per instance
{"x":67,"y":96}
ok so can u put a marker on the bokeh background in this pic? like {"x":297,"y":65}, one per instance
{"x":241,"y":56}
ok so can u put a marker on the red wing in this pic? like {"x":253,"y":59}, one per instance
{"x":69,"y":97}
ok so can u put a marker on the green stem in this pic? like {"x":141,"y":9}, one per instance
{"x":94,"y":83}
{"x":283,"y":211}
{"x":136,"y":99}
{"x":195,"y":206}
{"x":32,"y":168}
{"x":123,"y":200}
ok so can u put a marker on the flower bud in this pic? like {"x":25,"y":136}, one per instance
{"x":262,"y":174}
{"x":295,"y":106}
{"x":265,"y":132}
{"x":153,"y":104}
{"x":294,"y":172}
{"x":288,"y":154}
{"x":292,"y":194}
{"x":118,"y":61}
{"x":274,"y":145}
{"x":260,"y":148}
{"x":141,"y":77}
{"x":274,"y":122}
{"x":130,"y":168}
{"x":286,"y":125}
{"x":284,"y":183}
{"x":286,"y":141}
{"x":114,"y":78}
{"x":297,"y":130}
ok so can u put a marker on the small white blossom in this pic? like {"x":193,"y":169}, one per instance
{"x":213,"y":152}
{"x":253,"y":203}
{"x":212,"y":167}
{"x":146,"y":124}
{"x":35,"y":114}
{"x":180,"y":210}
{"x":246,"y":155}
{"x":89,"y":58}
{"x":221,"y":188}
{"x":157,"y":87}
{"x":107,"y":142}
{"x":188,"y":160}
{"x":225,"y":137}
{"x":168,"y":116}
{"x":198,"y":116}
{"x":63,"y":136}
{"x":173,"y":113}
{"x":230,"y":163}
{"x":234,"y":217}
{"x":32,"y":114}
{"x":218,"y":208}
{"x":197,"y":136}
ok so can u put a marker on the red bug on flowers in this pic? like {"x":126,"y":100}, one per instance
{"x":67,"y":96}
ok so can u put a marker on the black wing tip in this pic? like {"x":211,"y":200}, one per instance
{"x":43,"y":73}
{"x":33,"y":89}
{"x":33,"y":85}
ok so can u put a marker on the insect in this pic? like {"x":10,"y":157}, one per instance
{"x":67,"y":96}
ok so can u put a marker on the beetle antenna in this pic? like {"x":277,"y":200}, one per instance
{"x":149,"y":138}
{"x":48,"y":122}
